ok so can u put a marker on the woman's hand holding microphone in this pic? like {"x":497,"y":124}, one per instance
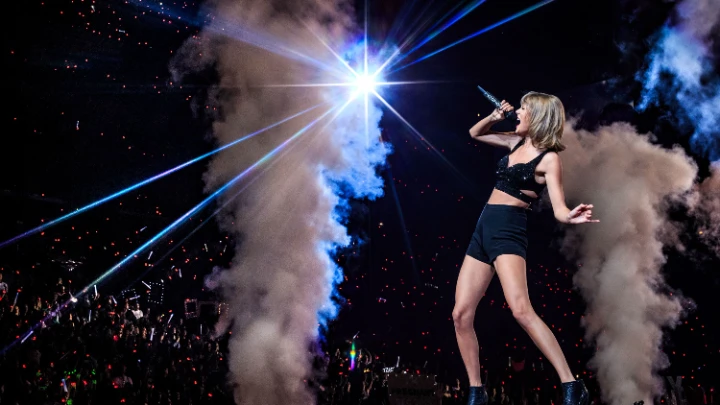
{"x":499,"y":113}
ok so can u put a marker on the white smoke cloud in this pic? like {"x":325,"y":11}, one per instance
{"x":683,"y":52}
{"x":632,"y":183}
{"x":281,"y":284}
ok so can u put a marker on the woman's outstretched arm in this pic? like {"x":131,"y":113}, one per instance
{"x":553,"y":178}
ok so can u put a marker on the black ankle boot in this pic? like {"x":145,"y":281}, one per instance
{"x":477,"y":396}
{"x":575,"y":393}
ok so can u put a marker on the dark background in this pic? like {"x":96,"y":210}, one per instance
{"x":87,"y":114}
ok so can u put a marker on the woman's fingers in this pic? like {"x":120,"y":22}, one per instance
{"x":498,"y":114}
{"x":582,"y":214}
{"x":584,"y":207}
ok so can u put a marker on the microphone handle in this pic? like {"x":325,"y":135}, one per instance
{"x":508,"y":114}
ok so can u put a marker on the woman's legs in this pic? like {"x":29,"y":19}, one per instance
{"x":511,"y":271}
{"x":472,"y":283}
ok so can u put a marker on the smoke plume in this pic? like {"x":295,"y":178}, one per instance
{"x":682,"y":71}
{"x":632,"y":183}
{"x":289,"y":222}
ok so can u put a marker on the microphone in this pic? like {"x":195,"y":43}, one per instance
{"x":508,"y":114}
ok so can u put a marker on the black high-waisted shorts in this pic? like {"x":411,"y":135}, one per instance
{"x":501,"y":229}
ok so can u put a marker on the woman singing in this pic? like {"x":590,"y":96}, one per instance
{"x":500,"y":238}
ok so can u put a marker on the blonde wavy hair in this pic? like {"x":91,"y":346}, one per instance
{"x":547,"y":119}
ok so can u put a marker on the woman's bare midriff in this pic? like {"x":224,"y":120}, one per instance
{"x":501,"y":198}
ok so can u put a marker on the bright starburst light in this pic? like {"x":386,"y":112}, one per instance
{"x":365,"y":83}
{"x":361,"y":70}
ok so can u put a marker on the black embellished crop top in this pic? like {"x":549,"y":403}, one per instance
{"x":520,"y":176}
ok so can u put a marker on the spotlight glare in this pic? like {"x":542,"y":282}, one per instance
{"x":365,"y":83}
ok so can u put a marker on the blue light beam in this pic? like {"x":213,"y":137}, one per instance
{"x":217,"y":211}
{"x":467,"y":10}
{"x":482,"y":31}
{"x":209,"y":199}
{"x":147,"y":181}
{"x":413,"y":33}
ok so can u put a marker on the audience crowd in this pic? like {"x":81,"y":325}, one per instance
{"x":126,"y":349}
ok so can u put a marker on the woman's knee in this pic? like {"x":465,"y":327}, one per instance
{"x":523,"y":312}
{"x":463,"y":317}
